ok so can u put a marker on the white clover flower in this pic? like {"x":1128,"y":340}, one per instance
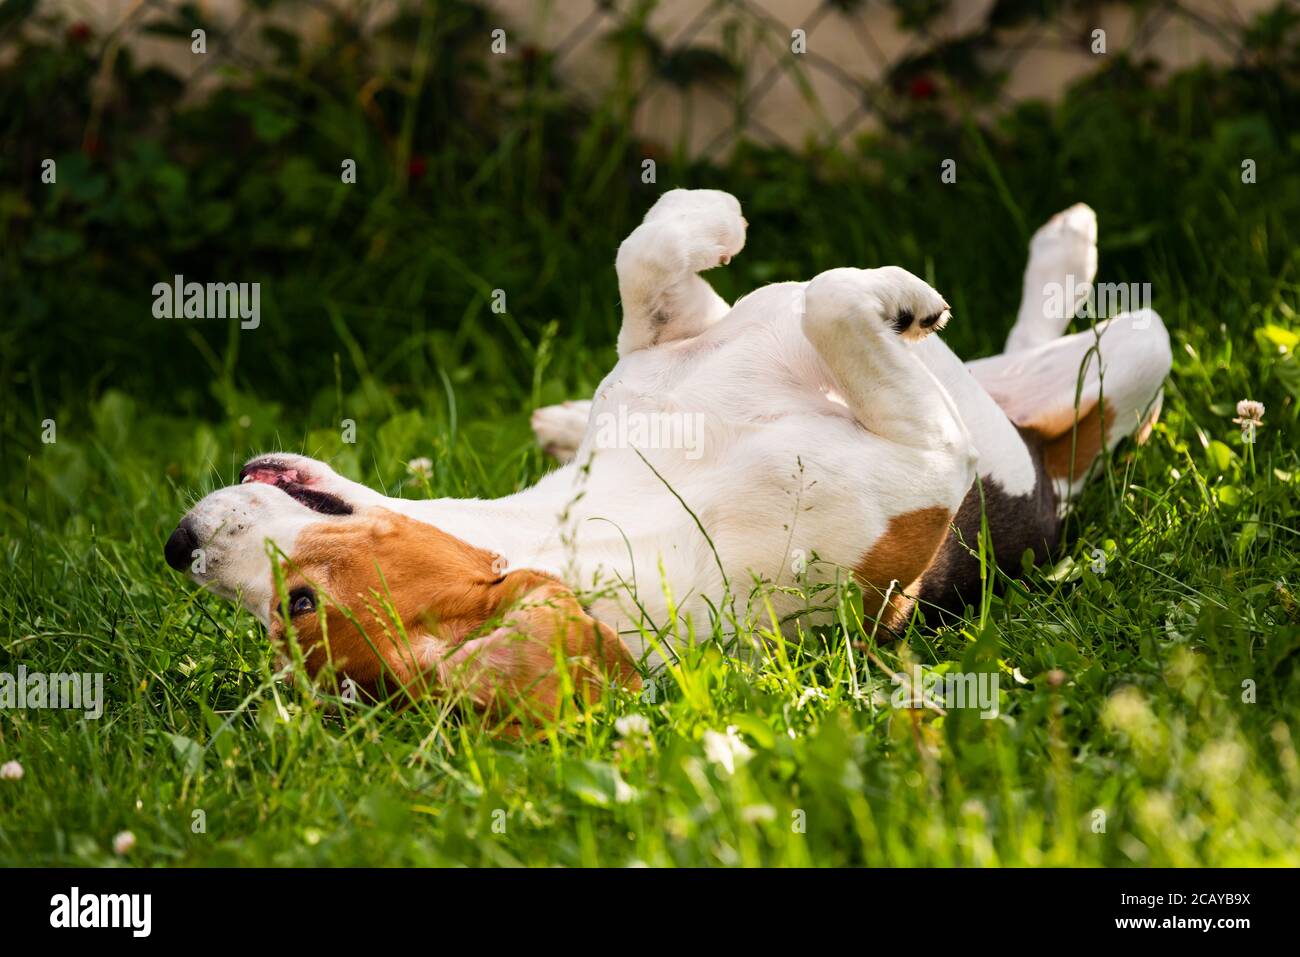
{"x":421,"y":468}
{"x":727,"y":750}
{"x":1250,"y":416}
{"x":123,"y":842}
{"x":11,"y":771}
{"x":1248,"y":410}
{"x":632,"y":725}
{"x":808,"y":695}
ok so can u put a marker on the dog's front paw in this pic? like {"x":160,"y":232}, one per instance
{"x":707,"y":224}
{"x":560,"y":428}
{"x":890,"y":299}
{"x":912,"y":307}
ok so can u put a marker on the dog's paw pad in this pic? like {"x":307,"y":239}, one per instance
{"x":906,"y":324}
{"x":912,"y":308}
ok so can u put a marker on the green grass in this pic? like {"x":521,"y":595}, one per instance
{"x":1124,"y":692}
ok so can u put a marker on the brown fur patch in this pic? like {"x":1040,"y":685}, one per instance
{"x":447,"y":594}
{"x":1071,"y":451}
{"x":902,"y":554}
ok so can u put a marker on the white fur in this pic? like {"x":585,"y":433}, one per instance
{"x":232,"y":524}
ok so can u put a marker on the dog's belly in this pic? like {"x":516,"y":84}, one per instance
{"x":729,"y":462}
{"x":743,"y":466}
{"x":756,"y":366}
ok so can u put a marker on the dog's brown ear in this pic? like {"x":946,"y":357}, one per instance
{"x":545,"y":647}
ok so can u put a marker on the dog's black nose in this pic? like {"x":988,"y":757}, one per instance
{"x":179,"y":549}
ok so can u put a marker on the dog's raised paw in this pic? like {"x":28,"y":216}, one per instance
{"x":912,"y":308}
{"x":706,"y":225}
{"x":908,"y":326}
{"x":887,"y":301}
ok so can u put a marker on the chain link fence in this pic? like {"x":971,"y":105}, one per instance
{"x":699,"y":75}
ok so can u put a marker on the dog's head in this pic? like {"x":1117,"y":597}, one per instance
{"x":390,"y":601}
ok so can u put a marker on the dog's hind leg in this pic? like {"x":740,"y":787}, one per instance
{"x":664,"y":299}
{"x":1081,"y":394}
{"x":1062,"y":264}
{"x":560,"y":428}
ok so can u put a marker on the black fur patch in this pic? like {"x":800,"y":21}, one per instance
{"x":903,"y":321}
{"x":1016,"y":523}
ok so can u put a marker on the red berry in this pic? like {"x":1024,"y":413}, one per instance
{"x":921,"y":87}
{"x":417,"y":167}
{"x":79,"y":32}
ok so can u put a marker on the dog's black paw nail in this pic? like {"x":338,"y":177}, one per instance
{"x":903,"y":321}
{"x":907,"y":325}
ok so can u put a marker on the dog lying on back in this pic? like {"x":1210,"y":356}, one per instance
{"x":831,"y":434}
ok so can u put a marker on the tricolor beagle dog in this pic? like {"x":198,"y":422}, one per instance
{"x":735,"y":457}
